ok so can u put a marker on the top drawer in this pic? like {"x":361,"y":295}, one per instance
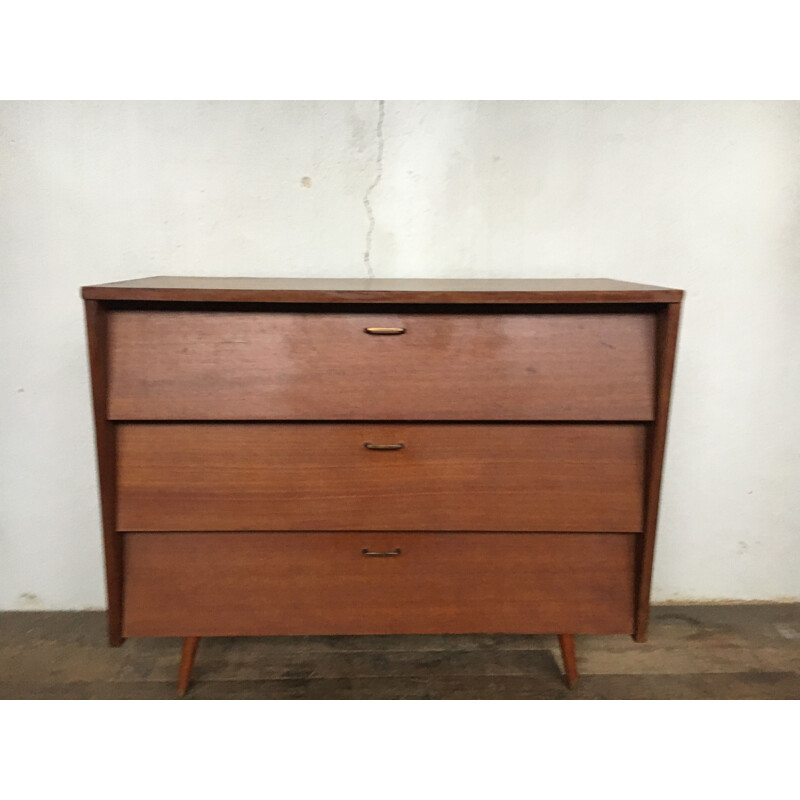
{"x":323,"y":365}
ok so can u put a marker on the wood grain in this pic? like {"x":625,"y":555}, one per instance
{"x":290,"y":476}
{"x":239,"y":365}
{"x":380,"y":290}
{"x":667,"y":346}
{"x":253,"y":584}
{"x":105,"y":440}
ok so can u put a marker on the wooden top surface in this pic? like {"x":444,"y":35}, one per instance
{"x":380,"y":290}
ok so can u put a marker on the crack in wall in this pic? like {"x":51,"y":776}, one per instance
{"x":367,"y":204}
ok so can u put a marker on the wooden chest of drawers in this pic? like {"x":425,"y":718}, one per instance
{"x":361,"y":457}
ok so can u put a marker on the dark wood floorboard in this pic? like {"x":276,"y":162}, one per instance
{"x":693,"y":652}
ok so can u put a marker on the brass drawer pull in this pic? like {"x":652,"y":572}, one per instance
{"x":385,"y":331}
{"x":370,"y":446}
{"x":367,"y":552}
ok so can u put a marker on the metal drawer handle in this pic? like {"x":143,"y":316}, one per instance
{"x":367,"y":552}
{"x":385,"y":331}
{"x":370,"y":446}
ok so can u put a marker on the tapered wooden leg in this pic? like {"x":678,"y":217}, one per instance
{"x":567,"y":642}
{"x":187,"y":662}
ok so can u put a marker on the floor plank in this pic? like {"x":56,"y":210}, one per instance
{"x":693,"y":652}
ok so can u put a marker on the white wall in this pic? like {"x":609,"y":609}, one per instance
{"x":698,"y":196}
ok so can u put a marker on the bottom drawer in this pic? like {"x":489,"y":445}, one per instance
{"x":258,"y":584}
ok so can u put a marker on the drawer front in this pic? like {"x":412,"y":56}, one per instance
{"x":255,"y":584}
{"x":326,"y":476}
{"x":256,"y":365}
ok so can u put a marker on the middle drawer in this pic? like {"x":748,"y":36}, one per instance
{"x":375,"y":476}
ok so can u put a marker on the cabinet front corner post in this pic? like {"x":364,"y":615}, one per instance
{"x":105,"y":439}
{"x":666,"y":345}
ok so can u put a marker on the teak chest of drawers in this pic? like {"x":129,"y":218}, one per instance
{"x":366,"y":457}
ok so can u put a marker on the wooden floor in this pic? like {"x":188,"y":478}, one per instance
{"x":694,"y":652}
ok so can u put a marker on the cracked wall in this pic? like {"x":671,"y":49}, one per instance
{"x":371,"y":189}
{"x":700,"y":196}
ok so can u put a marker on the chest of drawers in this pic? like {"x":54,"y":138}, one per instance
{"x":366,"y":457}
